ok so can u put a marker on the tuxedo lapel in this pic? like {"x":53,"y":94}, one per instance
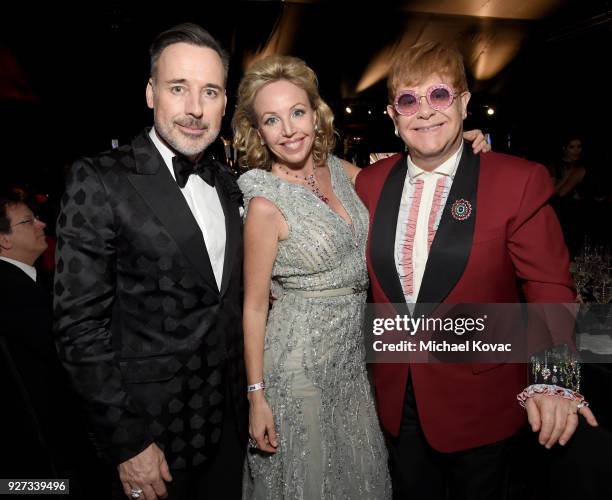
{"x":233,"y":228}
{"x":162,"y":194}
{"x":452,"y":243}
{"x":382,"y":237}
{"x":16,"y":280}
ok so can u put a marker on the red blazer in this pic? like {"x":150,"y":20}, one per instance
{"x":511,"y":241}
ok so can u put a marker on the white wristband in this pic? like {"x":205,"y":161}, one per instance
{"x":259,"y":386}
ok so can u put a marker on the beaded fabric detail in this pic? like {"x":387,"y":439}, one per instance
{"x":330,"y":443}
{"x":556,"y":365}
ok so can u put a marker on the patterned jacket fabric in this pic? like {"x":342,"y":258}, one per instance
{"x":151,"y":343}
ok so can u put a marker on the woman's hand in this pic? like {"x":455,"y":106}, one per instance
{"x":477,"y":138}
{"x":261,"y":423}
{"x":263,"y":228}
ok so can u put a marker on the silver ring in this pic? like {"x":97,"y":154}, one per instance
{"x":252,"y":443}
{"x":581,"y":405}
{"x":136,"y":492}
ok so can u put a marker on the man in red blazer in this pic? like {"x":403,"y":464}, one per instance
{"x":450,"y":226}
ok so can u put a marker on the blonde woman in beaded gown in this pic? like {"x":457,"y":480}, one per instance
{"x":314,"y":429}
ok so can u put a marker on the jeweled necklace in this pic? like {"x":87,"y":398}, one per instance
{"x":311,"y":181}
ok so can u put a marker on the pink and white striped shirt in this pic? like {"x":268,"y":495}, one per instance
{"x":423,"y":199}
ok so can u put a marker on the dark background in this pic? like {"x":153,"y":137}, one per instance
{"x":73,"y":78}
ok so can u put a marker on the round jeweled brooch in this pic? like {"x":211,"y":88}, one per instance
{"x":461,"y":209}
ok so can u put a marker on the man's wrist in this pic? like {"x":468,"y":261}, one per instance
{"x":550,"y":390}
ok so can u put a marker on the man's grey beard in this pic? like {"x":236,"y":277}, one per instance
{"x":184,"y":148}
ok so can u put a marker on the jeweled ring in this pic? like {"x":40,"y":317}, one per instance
{"x":136,"y":492}
{"x":582,"y":404}
{"x":252,"y":443}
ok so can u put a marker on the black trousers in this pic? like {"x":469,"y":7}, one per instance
{"x":420,"y":472}
{"x":220,"y":478}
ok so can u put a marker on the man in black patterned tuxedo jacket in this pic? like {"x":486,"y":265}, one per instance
{"x":148,"y":287}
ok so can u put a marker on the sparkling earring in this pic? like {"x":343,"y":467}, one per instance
{"x":396,"y":133}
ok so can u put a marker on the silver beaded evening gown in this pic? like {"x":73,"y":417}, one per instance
{"x":330,"y":442}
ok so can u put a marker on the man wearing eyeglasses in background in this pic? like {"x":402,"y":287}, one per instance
{"x":41,"y":433}
{"x":22,"y":236}
{"x":451,"y":226}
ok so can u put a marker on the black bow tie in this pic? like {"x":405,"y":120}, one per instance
{"x":183,"y":167}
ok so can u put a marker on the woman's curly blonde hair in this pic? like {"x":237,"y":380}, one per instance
{"x":253,"y":154}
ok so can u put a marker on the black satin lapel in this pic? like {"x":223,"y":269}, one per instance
{"x":165,"y":199}
{"x":452,"y":244}
{"x":147,"y":158}
{"x":382,"y":236}
{"x":233,"y":235}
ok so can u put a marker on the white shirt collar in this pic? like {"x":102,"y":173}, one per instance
{"x":448,"y":168}
{"x":26,"y":268}
{"x":166,"y":153}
